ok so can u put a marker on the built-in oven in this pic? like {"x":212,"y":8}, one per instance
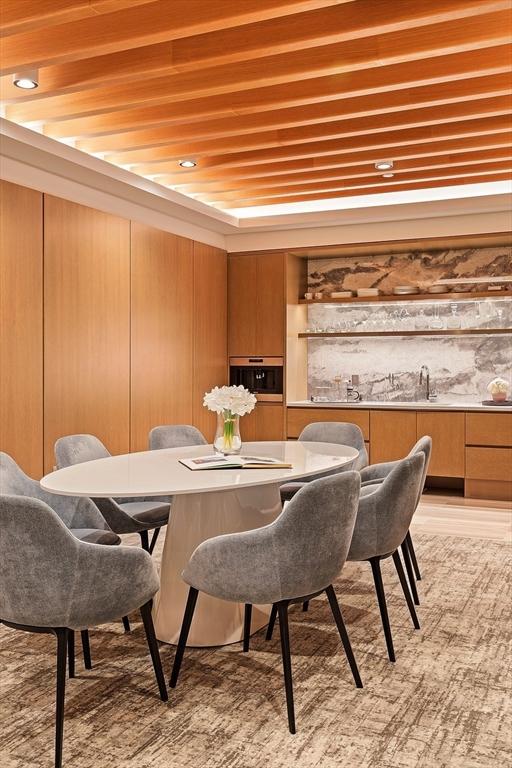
{"x":261,"y":375}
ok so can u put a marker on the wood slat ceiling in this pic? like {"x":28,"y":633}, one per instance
{"x":276,"y":100}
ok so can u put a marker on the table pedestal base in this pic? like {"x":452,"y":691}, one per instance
{"x":195,"y":518}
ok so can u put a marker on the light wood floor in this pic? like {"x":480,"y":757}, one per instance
{"x":471,"y":518}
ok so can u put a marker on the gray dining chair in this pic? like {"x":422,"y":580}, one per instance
{"x":139,"y":515}
{"x":175,"y":436}
{"x":298,"y":556}
{"x":376,"y":473}
{"x":80,"y":515}
{"x":383,"y":519}
{"x":339,"y":433}
{"x":51,"y":582}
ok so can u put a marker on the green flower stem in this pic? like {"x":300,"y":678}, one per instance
{"x":229,"y":429}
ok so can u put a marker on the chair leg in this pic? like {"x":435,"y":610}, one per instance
{"x":126,"y":624}
{"x":62,"y":645}
{"x":144,"y":540}
{"x":338,"y":618}
{"x":305,"y":606}
{"x":153,"y":540}
{"x":410,"y":572}
{"x":185,"y":627}
{"x":410,"y":547}
{"x":71,"y":652}
{"x":147,"y":619}
{"x":381,"y":597}
{"x":282,"y":608}
{"x":271,"y":622}
{"x":247,"y":626}
{"x":86,"y":648}
{"x":405,"y":589}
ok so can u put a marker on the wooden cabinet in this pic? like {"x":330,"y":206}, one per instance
{"x":162,"y":282}
{"x":21,"y":323}
{"x":86,"y":325}
{"x":210,"y":351}
{"x":393,"y":433}
{"x":488,"y":456}
{"x":298,"y":418}
{"x":447,"y":432}
{"x":265,"y":422}
{"x":494,"y":429}
{"x":256,"y":305}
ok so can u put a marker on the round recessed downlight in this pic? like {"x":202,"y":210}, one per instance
{"x":188,"y":163}
{"x":27,"y":80}
{"x":387,"y":175}
{"x":383,"y":165}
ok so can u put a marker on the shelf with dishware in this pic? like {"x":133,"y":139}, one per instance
{"x":442,"y":332}
{"x":459,"y":296}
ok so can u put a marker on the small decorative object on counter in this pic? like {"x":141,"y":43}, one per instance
{"x":308,"y":296}
{"x":498,"y":388}
{"x":229,"y":403}
{"x":318,"y":296}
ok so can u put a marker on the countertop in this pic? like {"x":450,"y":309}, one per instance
{"x":418,"y":405}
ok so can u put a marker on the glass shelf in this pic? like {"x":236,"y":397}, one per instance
{"x":467,"y":296}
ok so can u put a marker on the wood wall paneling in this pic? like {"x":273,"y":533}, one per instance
{"x":210,"y":367}
{"x":447,"y":432}
{"x":86,"y":325}
{"x":392,"y":434}
{"x":162,"y":286}
{"x":21,"y":322}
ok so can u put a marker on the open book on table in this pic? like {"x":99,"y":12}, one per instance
{"x":217,"y":461}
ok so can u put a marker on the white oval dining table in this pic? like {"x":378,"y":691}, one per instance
{"x":206,"y":503}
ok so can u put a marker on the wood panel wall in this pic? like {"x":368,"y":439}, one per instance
{"x":21,"y":326}
{"x":135,"y":327}
{"x":86,"y":325}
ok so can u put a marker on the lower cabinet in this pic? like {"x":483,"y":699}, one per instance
{"x":393,"y":433}
{"x":447,"y":429}
{"x":265,"y":422}
{"x":298,"y":418}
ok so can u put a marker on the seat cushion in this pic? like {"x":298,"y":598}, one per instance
{"x":147,"y":512}
{"x":96,"y":536}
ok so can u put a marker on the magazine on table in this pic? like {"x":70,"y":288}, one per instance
{"x":216,"y":461}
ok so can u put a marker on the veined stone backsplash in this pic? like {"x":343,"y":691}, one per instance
{"x":388,"y":367}
{"x":385,"y":271}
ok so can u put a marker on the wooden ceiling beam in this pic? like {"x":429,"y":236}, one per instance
{"x":396,"y":108}
{"x":354,"y":170}
{"x":340,"y":59}
{"x":150,"y":23}
{"x":388,"y":100}
{"x":190,"y":146}
{"x":364,"y":177}
{"x":371,"y":189}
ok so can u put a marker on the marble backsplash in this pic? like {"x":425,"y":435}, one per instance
{"x":385,"y":271}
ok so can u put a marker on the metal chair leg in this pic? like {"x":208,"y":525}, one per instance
{"x":126,"y":624}
{"x":410,"y":572}
{"x":153,"y":540}
{"x":86,"y":648}
{"x":71,"y":652}
{"x":405,"y":589}
{"x":185,"y":627}
{"x":338,"y":618}
{"x":271,"y":622}
{"x":147,"y":619}
{"x":410,"y":547}
{"x":381,"y":597}
{"x":62,"y":645}
{"x":282,"y":608}
{"x":144,"y":540}
{"x":305,"y":606}
{"x":247,"y":626}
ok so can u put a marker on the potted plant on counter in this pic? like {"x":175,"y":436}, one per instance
{"x":498,"y":388}
{"x":229,"y":403}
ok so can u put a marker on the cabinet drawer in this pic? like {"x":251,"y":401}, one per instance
{"x":489,"y":429}
{"x":393,"y":433}
{"x":298,"y":418}
{"x":489,"y":464}
{"x":447,"y":432}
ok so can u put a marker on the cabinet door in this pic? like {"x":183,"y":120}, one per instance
{"x":265,"y":422}
{"x":270,"y":298}
{"x":242,"y":305}
{"x":21,"y":323}
{"x":298,"y":418}
{"x":494,"y":429}
{"x":447,"y":432}
{"x":392,"y":434}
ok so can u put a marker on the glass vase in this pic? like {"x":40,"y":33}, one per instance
{"x":227,"y":437}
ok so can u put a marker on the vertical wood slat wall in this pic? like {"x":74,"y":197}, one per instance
{"x":135,"y":327}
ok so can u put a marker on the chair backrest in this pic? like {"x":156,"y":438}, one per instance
{"x":48,"y":578}
{"x":424,"y":446}
{"x":342,"y":433}
{"x":175,"y":436}
{"x":75,"y":449}
{"x":385,"y":514}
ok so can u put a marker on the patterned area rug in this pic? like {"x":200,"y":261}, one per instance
{"x":443,"y":704}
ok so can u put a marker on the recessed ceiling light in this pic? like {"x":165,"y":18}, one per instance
{"x":27,"y":80}
{"x":387,"y":175}
{"x":188,"y":163}
{"x":383,"y":165}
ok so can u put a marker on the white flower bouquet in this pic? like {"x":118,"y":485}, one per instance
{"x":229,"y":403}
{"x":498,"y":388}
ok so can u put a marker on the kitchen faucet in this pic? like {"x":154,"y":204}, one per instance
{"x":425,"y":372}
